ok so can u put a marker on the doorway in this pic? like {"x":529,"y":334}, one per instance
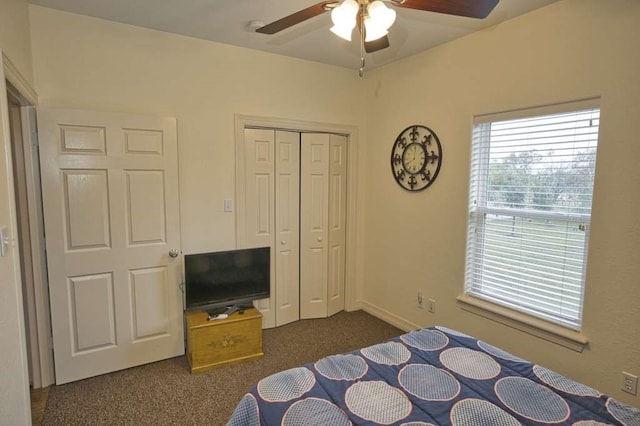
{"x":30,"y":236}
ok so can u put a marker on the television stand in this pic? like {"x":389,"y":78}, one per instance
{"x":212,"y":344}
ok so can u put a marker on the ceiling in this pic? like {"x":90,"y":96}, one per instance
{"x":227,"y":21}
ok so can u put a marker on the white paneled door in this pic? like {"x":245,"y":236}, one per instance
{"x":272,"y":170}
{"x":110,"y":197}
{"x":259,"y":154}
{"x":337,"y":224}
{"x":323,"y":181}
{"x":314,"y":182}
{"x":287,"y":218}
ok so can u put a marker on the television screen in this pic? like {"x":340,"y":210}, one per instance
{"x":227,"y":278}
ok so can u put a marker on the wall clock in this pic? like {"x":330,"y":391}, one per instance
{"x":416,"y":158}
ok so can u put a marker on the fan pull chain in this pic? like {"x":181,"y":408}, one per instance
{"x":362,"y":30}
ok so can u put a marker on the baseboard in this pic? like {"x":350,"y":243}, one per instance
{"x":388,"y":317}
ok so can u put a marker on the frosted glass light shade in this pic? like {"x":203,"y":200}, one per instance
{"x":373,"y":31}
{"x":344,"y":19}
{"x":378,"y":21}
{"x":342,"y":31}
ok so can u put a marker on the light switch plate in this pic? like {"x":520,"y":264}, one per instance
{"x":4,"y":241}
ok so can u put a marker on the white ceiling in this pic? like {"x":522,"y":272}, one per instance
{"x":226,"y":21}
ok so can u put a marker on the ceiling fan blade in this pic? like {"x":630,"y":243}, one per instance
{"x":296,"y":18}
{"x":375,"y":45}
{"x":469,"y":8}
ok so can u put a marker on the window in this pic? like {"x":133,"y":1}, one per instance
{"x":530,"y":209}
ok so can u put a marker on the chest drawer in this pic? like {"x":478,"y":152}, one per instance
{"x":212,"y":344}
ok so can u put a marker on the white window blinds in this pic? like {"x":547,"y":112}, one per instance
{"x":530,"y":209}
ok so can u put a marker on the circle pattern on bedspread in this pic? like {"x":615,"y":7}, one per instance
{"x":286,"y":385}
{"x":417,"y":424}
{"x":590,"y":423}
{"x":342,"y":367}
{"x":314,"y":411}
{"x":426,"y":340}
{"x":428,"y":382}
{"x":497,"y":352}
{"x":562,"y":383}
{"x":246,"y":413}
{"x":470,"y":363}
{"x":475,"y":412}
{"x":531,"y":400}
{"x":390,"y":353}
{"x":378,"y":402}
{"x":627,"y":415}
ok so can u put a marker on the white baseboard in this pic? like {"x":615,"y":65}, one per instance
{"x":389,"y":317}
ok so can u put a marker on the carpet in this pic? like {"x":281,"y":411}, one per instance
{"x":165,"y":392}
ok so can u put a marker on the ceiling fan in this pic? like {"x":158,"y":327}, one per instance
{"x":374,"y":18}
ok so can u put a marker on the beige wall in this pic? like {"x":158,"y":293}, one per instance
{"x":82,"y":62}
{"x":14,"y":35}
{"x":14,"y":396}
{"x":570,"y":50}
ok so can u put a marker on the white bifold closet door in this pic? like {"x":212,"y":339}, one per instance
{"x":322,"y":224}
{"x":290,"y":179}
{"x":272,"y":189}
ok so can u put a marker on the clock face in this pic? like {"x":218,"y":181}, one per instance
{"x":416,"y":158}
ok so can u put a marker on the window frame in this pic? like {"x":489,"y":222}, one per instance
{"x":522,"y":319}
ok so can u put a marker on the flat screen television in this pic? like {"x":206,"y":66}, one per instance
{"x":227,"y":278}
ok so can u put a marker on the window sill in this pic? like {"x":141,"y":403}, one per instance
{"x":563,"y":336}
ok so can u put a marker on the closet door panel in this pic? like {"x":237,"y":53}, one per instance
{"x":259,"y":202}
{"x":337,"y":223}
{"x":314,"y":206}
{"x":287,"y":243}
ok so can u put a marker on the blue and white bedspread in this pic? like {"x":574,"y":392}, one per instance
{"x":433,"y":376}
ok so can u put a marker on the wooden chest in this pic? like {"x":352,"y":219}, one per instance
{"x":212,"y":344}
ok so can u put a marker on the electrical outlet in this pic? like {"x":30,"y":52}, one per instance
{"x":431,"y":306}
{"x":629,"y":383}
{"x":420,"y":300}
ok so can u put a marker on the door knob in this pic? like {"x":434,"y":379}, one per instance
{"x":319,"y":239}
{"x":174,"y":253}
{"x":282,"y":242}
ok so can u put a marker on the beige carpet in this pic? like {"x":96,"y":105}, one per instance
{"x":165,"y":393}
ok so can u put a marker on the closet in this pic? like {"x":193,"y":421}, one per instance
{"x":294,"y":189}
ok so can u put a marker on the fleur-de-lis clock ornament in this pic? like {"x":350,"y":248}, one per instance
{"x":416,"y":158}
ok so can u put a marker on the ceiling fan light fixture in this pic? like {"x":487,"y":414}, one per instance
{"x":342,"y":31}
{"x":344,"y":19}
{"x":378,"y":20}
{"x":373,"y":31}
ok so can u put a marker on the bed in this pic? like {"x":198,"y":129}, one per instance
{"x":432,"y":376}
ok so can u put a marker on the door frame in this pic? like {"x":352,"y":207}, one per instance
{"x":15,"y":366}
{"x":41,"y":350}
{"x":353,"y":272}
